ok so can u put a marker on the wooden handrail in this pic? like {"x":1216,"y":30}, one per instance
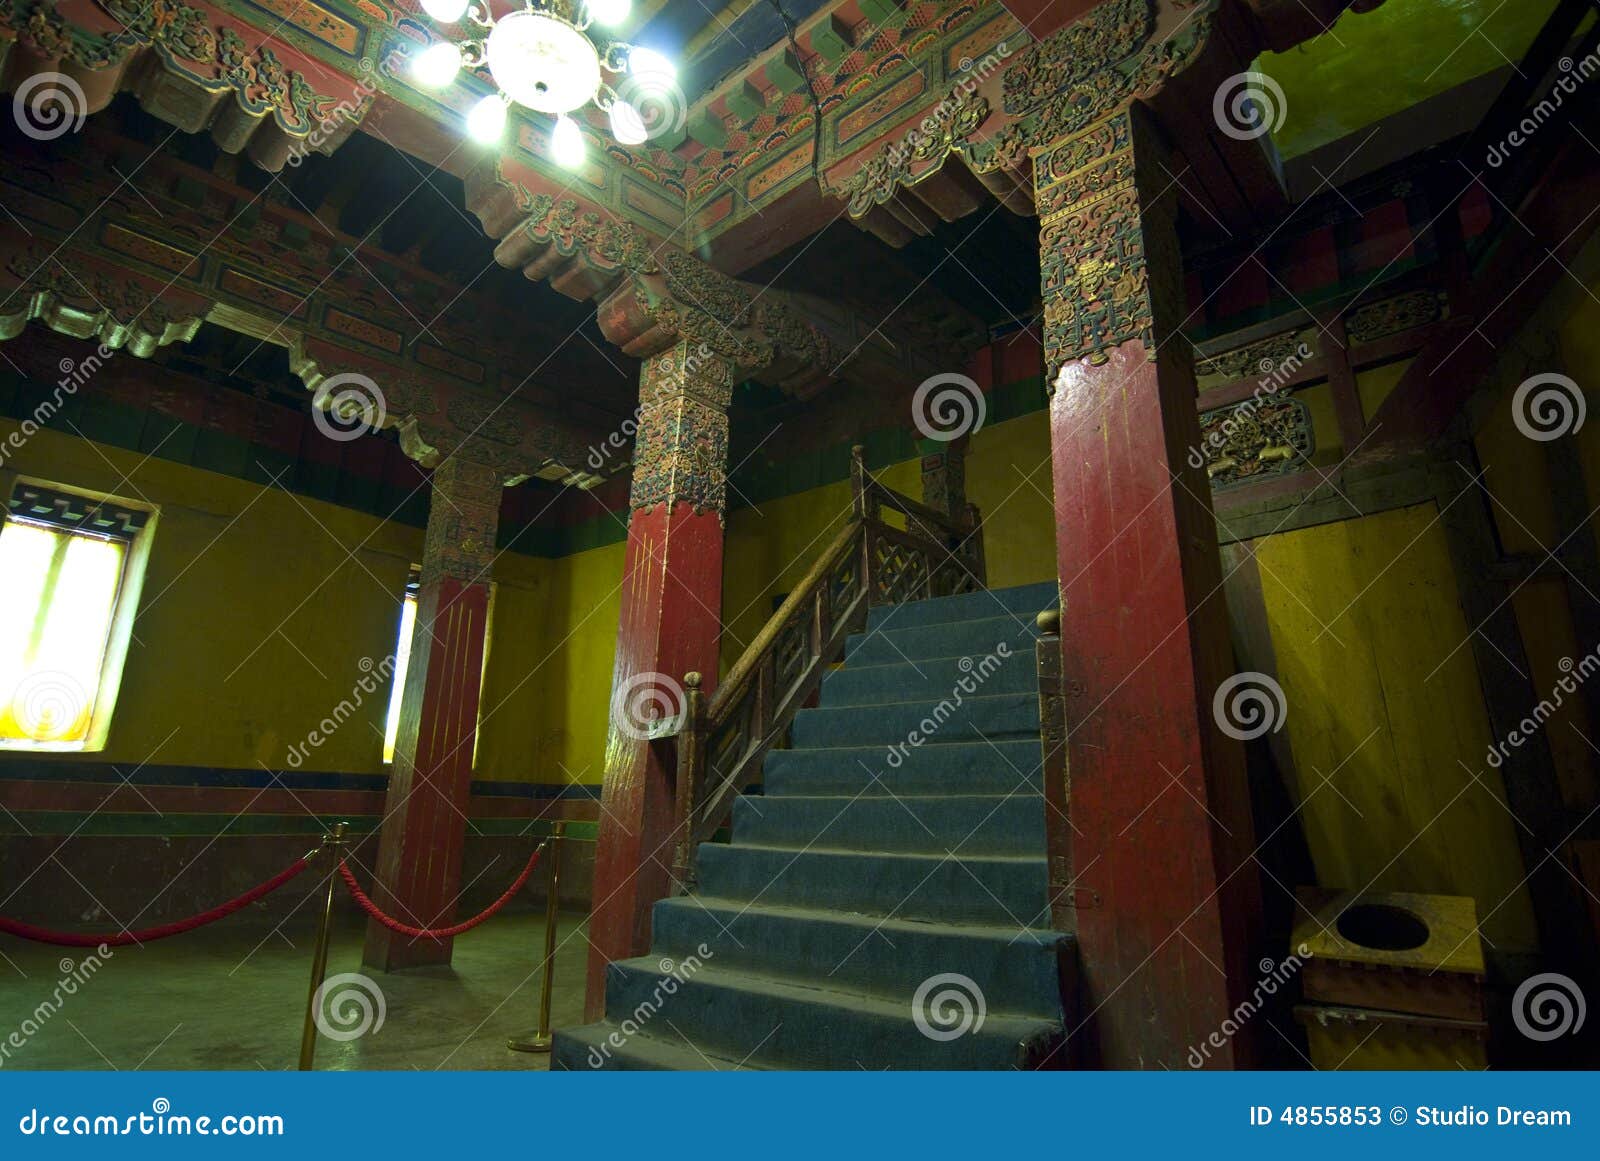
{"x":722,"y":740}
{"x":745,"y":668}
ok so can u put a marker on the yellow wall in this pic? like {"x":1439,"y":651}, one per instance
{"x":1386,"y":717}
{"x":258,"y":607}
{"x":771,"y":545}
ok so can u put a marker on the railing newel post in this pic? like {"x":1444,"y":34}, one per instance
{"x":691,"y":755}
{"x":1054,"y":769}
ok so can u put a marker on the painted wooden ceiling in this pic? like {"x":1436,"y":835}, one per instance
{"x":1371,"y":65}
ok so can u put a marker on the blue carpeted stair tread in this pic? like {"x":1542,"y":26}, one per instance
{"x":1019,"y":970}
{"x":590,"y":1048}
{"x":898,"y":843}
{"x":739,"y":1015}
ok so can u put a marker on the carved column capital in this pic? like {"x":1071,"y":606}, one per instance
{"x":463,"y":521}
{"x":1110,"y":270}
{"x":681,"y":454}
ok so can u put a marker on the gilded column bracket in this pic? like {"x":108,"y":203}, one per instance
{"x":681,"y":454}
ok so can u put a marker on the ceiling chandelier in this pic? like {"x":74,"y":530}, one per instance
{"x":542,"y":57}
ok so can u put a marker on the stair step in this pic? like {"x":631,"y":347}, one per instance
{"x":1005,"y":766}
{"x":1027,"y":601}
{"x":1018,"y":972}
{"x":956,"y":718}
{"x":1005,"y":892}
{"x":609,"y":1047}
{"x":732,"y":1015}
{"x":926,"y":681}
{"x":987,"y":824}
{"x":974,"y":639}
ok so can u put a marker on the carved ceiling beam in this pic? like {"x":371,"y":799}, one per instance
{"x":1174,"y":55}
{"x":194,"y":66}
{"x":651,"y":295}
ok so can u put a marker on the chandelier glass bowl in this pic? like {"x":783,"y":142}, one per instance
{"x":541,"y":56}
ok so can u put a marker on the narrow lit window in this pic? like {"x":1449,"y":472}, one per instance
{"x":65,"y":565}
{"x":402,"y":661}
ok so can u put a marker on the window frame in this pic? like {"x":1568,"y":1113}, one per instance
{"x":124,"y":608}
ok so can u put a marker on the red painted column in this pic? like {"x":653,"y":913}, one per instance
{"x":670,"y":625}
{"x":1166,"y":897}
{"x":418,"y":876}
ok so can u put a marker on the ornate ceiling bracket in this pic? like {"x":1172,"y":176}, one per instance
{"x":195,"y":67}
{"x":1119,"y":51}
{"x":95,"y":302}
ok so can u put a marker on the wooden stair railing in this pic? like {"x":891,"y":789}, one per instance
{"x":721,"y":740}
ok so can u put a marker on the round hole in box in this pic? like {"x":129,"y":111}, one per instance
{"x":1382,"y":927}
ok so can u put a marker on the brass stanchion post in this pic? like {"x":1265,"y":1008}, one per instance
{"x":541,"y":1040}
{"x":319,"y":958}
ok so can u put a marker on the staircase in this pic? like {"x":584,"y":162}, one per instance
{"x":883,"y":891}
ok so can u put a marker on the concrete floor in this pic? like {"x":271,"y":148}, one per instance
{"x":232,"y":996}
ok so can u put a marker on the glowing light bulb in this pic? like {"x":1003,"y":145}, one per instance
{"x":627,"y":126}
{"x":445,"y":11}
{"x":647,"y":62}
{"x":566,"y":144}
{"x":610,"y":12}
{"x":437,"y":65}
{"x":487,"y":121}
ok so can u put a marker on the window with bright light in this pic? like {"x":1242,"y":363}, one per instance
{"x":402,"y":662}
{"x":64,"y":566}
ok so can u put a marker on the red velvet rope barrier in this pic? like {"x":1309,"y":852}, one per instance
{"x":73,"y":939}
{"x":438,"y":933}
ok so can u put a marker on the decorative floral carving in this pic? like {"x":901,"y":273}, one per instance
{"x":609,"y":243}
{"x":463,"y":520}
{"x":1393,"y":315}
{"x":891,"y":168}
{"x":1110,"y":33}
{"x":1258,"y":358}
{"x":1256,"y":440}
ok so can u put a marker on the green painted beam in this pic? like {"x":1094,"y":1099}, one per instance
{"x":786,"y":72}
{"x":746,"y":101}
{"x":708,"y":129}
{"x":884,"y":13}
{"x":832,"y":39}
